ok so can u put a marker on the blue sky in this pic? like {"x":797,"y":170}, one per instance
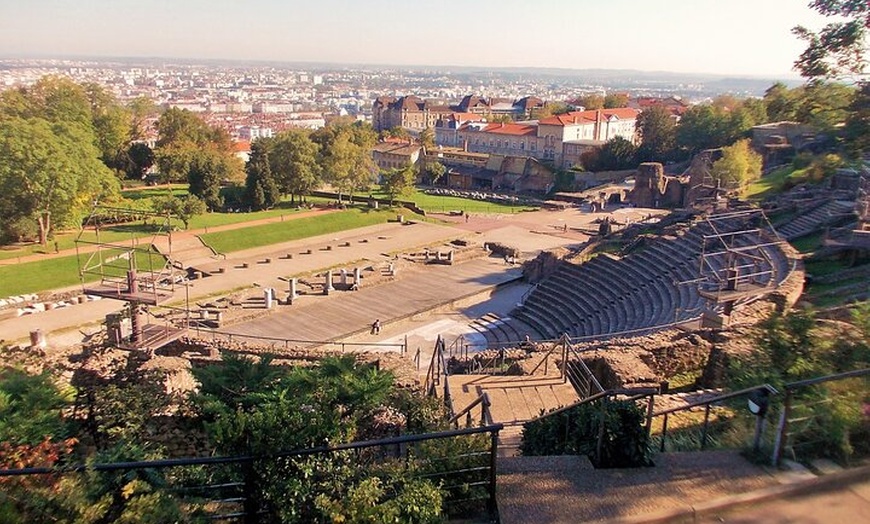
{"x":713,"y":36}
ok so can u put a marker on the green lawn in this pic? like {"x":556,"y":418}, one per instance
{"x":267,"y":234}
{"x":770,"y":184}
{"x":60,"y":272}
{"x":443,"y":204}
{"x":125,"y":233}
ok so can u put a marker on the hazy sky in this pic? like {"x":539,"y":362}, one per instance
{"x":715,"y":36}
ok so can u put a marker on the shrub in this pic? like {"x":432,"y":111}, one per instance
{"x":576,"y":431}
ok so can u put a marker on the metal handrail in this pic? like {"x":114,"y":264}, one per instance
{"x":241,"y":459}
{"x":827,"y":378}
{"x":719,"y":398}
{"x":782,"y":425}
{"x":486,"y":416}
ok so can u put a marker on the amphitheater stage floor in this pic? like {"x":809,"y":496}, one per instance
{"x":350,"y":314}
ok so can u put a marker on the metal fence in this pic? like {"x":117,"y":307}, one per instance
{"x":462,"y":463}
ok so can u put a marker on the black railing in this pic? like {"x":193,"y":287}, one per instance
{"x":798,"y":414}
{"x":707,"y":405}
{"x":467,"y":478}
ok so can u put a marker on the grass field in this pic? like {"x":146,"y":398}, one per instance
{"x":267,"y":234}
{"x":770,"y":184}
{"x":60,"y":272}
{"x":127,"y":232}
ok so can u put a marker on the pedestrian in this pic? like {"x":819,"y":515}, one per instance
{"x":376,"y":327}
{"x":466,"y":217}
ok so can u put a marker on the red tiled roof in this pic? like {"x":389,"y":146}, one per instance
{"x":512,"y":129}
{"x":585,"y":117}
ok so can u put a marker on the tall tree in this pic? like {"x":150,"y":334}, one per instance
{"x":591,"y":101}
{"x":50,"y":173}
{"x":738,"y":167}
{"x":617,"y":153}
{"x":139,"y":158}
{"x":857,"y":131}
{"x":433,"y":172}
{"x":824,"y":105}
{"x":112,"y":124}
{"x":427,"y":138}
{"x":261,"y":190}
{"x":614,"y":100}
{"x":839,"y":49}
{"x":345,"y":156}
{"x":658,"y":134}
{"x":206,"y":173}
{"x":780,"y":102}
{"x":293,"y":161}
{"x":399,"y":181}
{"x":187,"y":142}
{"x":141,"y":110}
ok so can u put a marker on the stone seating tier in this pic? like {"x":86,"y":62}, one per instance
{"x":643,"y":289}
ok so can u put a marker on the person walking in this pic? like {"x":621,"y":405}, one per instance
{"x":376,"y":327}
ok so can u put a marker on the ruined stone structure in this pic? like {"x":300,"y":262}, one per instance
{"x":702,"y":189}
{"x":653,"y":189}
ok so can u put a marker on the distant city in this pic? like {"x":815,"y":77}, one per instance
{"x":261,"y":98}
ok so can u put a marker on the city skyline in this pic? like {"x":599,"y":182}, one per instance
{"x":741,"y":37}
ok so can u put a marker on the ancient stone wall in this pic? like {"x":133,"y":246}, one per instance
{"x":655,"y":190}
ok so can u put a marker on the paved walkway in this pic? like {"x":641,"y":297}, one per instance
{"x":568,"y":489}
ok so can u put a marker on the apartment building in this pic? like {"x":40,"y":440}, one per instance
{"x":559,"y":139}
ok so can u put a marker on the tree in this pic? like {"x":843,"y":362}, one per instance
{"x":206,"y":172}
{"x":141,"y":109}
{"x":398,"y":181}
{"x":186,"y":141}
{"x":617,"y":153}
{"x":780,"y":102}
{"x":261,"y":189}
{"x":433,"y":172}
{"x":50,"y":174}
{"x":658,"y":133}
{"x":293,"y":161}
{"x":824,"y":105}
{"x":501,"y":119}
{"x":140,"y":158}
{"x":738,"y":167}
{"x":707,"y":126}
{"x":838,"y":49}
{"x":857,"y":131}
{"x":397,"y":132}
{"x":113,"y":125}
{"x":183,"y":208}
{"x":427,"y":138}
{"x":345,"y":156}
{"x":549,"y":109}
{"x":614,"y":100}
{"x":590,"y":102}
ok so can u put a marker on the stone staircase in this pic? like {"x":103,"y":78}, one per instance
{"x":501,"y":331}
{"x":817,"y":219}
{"x":514,"y":400}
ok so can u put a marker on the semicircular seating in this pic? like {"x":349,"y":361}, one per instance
{"x":655,"y":285}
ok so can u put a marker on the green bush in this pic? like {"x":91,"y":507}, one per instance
{"x":576,"y":431}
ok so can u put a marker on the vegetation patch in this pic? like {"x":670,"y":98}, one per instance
{"x":268,"y":234}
